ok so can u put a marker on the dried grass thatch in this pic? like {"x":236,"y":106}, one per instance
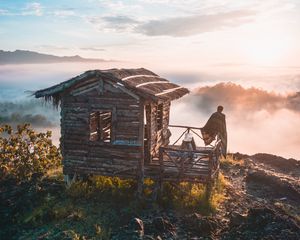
{"x":142,"y":82}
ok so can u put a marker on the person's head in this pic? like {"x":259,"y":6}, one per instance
{"x":220,"y":109}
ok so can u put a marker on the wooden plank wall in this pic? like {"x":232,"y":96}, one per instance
{"x":157,"y":139}
{"x":81,"y":155}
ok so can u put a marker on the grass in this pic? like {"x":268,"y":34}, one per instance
{"x":93,"y":209}
{"x":188,"y":197}
{"x":229,"y":161}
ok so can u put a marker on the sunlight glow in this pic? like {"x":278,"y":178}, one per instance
{"x":266,"y":49}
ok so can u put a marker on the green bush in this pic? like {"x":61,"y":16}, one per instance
{"x":25,"y":153}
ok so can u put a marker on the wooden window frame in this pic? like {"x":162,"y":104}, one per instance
{"x":99,"y":130}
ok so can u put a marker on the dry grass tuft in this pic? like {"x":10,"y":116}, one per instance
{"x":230,"y":161}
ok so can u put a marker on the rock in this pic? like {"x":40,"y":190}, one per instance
{"x":264,"y":223}
{"x":162,"y":225}
{"x":137,"y":224}
{"x":148,"y":237}
{"x":191,"y":221}
{"x":257,"y":212}
{"x":236,"y":219}
{"x":200,"y":225}
{"x":134,"y":230}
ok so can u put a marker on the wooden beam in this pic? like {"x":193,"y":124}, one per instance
{"x":168,"y":91}
{"x":181,"y":126}
{"x":152,"y":82}
{"x":124,"y":89}
{"x":140,"y":75}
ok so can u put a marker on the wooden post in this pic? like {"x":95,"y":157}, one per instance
{"x":141,"y":142}
{"x":209,"y":177}
{"x":161,"y":170}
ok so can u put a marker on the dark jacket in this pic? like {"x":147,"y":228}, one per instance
{"x":215,"y":126}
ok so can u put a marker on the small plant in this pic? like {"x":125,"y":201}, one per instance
{"x":79,"y":189}
{"x":218,"y":192}
{"x":25,"y":153}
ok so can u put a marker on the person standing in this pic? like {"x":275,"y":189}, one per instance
{"x":216,"y":127}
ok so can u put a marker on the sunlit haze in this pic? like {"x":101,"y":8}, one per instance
{"x":246,"y":44}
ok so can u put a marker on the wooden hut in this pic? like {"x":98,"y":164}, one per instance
{"x":115,"y":122}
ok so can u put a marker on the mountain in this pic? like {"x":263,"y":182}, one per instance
{"x":30,"y":57}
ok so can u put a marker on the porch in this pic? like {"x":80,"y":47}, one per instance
{"x":176,"y":164}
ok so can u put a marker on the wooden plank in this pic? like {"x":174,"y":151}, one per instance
{"x":84,"y":83}
{"x":126,"y":113}
{"x":100,"y":86}
{"x":115,"y":100}
{"x":84,"y":89}
{"x":181,"y":126}
{"x":124,"y":89}
{"x":142,"y":160}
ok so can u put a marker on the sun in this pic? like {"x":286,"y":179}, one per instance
{"x":265,"y":49}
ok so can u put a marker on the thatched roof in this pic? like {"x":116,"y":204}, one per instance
{"x":142,"y":82}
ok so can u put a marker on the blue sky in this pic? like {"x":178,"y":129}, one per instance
{"x":186,"y":34}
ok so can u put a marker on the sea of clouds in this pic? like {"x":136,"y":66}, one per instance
{"x":263,"y":114}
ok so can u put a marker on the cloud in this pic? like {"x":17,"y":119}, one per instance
{"x":53,"y":47}
{"x":175,"y":27}
{"x":242,"y":100}
{"x":196,"y":24}
{"x":257,"y":120}
{"x":293,"y":102}
{"x":34,"y":112}
{"x":95,"y":49}
{"x":30,"y":9}
{"x":4,"y":12}
{"x":64,"y":13}
{"x":37,"y":120}
{"x":120,"y":7}
{"x":33,"y":8}
{"x":114,"y":23}
{"x":297,"y":80}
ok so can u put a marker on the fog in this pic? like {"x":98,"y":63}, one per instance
{"x":257,"y":120}
{"x":263,"y":115}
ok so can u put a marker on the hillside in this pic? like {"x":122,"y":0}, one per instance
{"x":258,"y":198}
{"x":30,"y":57}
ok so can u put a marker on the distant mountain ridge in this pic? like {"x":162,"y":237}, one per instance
{"x":31,"y":57}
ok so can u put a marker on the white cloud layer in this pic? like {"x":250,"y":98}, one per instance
{"x":192,"y":25}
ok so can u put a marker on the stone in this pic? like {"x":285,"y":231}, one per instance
{"x":200,"y":225}
{"x":162,"y":225}
{"x":236,"y":219}
{"x":137,"y":224}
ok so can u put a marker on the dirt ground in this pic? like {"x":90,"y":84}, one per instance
{"x":263,"y":198}
{"x":262,"y":201}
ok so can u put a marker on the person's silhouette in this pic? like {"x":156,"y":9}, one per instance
{"x":216,"y":127}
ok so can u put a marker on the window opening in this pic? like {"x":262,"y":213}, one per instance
{"x":100,"y":126}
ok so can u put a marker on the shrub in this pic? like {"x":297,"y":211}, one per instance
{"x":25,"y":153}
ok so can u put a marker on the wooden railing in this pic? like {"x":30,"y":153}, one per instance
{"x":196,"y":131}
{"x":198,"y":165}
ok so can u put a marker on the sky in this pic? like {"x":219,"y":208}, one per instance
{"x":186,"y":35}
{"x":252,"y":47}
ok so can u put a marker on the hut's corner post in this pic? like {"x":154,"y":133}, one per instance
{"x":140,"y":173}
{"x":209,"y":184}
{"x":161,"y":172}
